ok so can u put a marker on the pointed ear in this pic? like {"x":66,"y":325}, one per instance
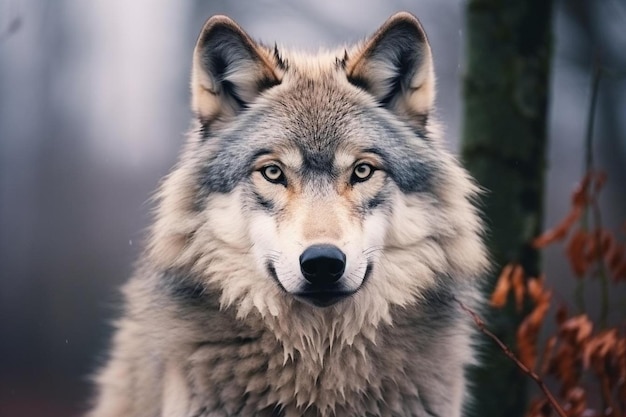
{"x":229,"y":70}
{"x":395,"y":65}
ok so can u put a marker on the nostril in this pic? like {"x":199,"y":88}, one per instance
{"x":322,"y":264}
{"x":309,"y":266}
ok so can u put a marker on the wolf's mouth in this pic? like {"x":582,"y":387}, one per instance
{"x":314,"y":296}
{"x":320,"y":296}
{"x":324,"y":298}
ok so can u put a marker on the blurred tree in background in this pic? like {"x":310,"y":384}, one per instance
{"x":508,"y":54}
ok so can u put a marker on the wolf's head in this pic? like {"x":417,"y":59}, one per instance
{"x":313,"y":181}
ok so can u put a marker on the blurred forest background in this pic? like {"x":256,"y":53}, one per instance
{"x":94,"y":107}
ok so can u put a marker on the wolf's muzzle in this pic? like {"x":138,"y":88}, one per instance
{"x":322,"y":265}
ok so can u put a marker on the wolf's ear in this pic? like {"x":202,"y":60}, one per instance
{"x":395,"y":65}
{"x":229,"y":70}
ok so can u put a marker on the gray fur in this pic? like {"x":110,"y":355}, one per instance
{"x":212,"y":325}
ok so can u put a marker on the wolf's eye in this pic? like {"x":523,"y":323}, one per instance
{"x":362,"y":172}
{"x":273,"y":174}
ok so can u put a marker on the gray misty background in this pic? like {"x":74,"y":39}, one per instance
{"x":94,"y":107}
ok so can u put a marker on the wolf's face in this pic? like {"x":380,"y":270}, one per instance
{"x":319,"y":194}
{"x":319,"y":173}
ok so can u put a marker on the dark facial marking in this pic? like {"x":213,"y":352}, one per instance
{"x":414,"y":175}
{"x":381,"y":199}
{"x":231,"y":163}
{"x":223,"y":172}
{"x":407,"y":157}
{"x":317,"y":162}
{"x":263,"y":203}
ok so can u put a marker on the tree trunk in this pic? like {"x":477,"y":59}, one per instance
{"x":504,"y":146}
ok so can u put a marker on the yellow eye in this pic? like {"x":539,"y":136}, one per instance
{"x":273,"y":174}
{"x":362,"y":172}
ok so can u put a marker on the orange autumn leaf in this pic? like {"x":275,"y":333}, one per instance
{"x":561,"y":314}
{"x":598,"y":347}
{"x":577,"y":329}
{"x":615,"y":255}
{"x":535,"y":289}
{"x":576,"y":398}
{"x":528,"y":331}
{"x":590,"y":250}
{"x":580,"y":194}
{"x":585,"y":365}
{"x":560,"y":231}
{"x":575,"y":251}
{"x":607,"y":241}
{"x":603,"y":241}
{"x":548,"y":353}
{"x":519,"y":286}
{"x":563,"y":365}
{"x":503,"y":285}
{"x":616,"y":260}
{"x":539,"y":408}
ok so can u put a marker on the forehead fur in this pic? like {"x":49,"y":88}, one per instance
{"x":317,"y":110}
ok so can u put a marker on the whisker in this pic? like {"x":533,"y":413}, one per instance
{"x":373,"y":249}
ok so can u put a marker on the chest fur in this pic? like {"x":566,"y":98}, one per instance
{"x":257,"y":377}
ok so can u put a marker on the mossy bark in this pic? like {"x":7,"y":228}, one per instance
{"x":504,"y":146}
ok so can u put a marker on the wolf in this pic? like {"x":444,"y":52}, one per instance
{"x":310,"y":248}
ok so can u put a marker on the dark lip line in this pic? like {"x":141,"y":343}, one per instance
{"x":366,"y":276}
{"x":272,"y":271}
{"x":326,"y":293}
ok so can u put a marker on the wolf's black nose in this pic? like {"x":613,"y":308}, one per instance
{"x":322,"y":265}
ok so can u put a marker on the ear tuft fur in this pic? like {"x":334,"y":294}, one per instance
{"x":229,"y":70}
{"x":395,"y":65}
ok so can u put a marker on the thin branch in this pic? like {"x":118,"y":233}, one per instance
{"x":481,"y":325}
{"x":579,"y":296}
{"x":594,"y":206}
{"x":595,"y":84}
